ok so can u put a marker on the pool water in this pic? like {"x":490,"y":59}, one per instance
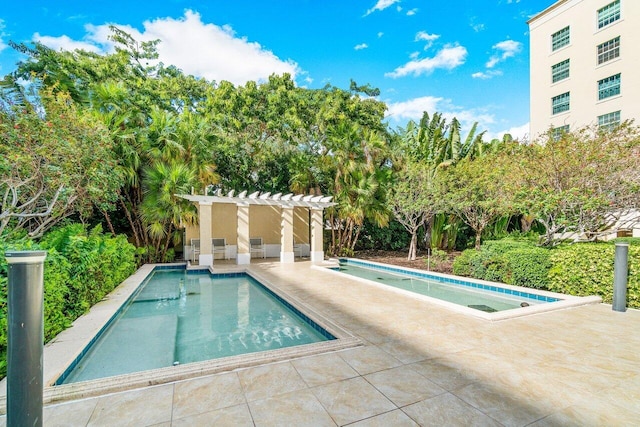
{"x":176,"y":318}
{"x":473,"y":297}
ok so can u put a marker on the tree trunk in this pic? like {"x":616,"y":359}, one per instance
{"x":526,"y":221}
{"x":413,"y":246}
{"x":478,"y":236}
{"x":109,"y":224}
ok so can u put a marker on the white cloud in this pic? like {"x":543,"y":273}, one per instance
{"x":380,"y":34}
{"x":412,"y":11}
{"x":521,"y":133}
{"x":381,"y":5}
{"x":361,"y":46}
{"x":66,"y":43}
{"x":484,"y":75}
{"x":505,"y":49}
{"x":429,"y":38}
{"x":3,"y":45}
{"x":449,"y":57}
{"x":413,"y":109}
{"x":476,"y":26}
{"x":202,"y":49}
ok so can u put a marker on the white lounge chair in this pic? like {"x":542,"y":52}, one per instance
{"x":195,"y":249}
{"x":219,"y":246}
{"x":256,"y":246}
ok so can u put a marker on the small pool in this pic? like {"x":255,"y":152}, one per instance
{"x":488,"y":300}
{"x":177,"y":318}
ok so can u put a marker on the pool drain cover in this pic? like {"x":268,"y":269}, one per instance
{"x":483,"y":307}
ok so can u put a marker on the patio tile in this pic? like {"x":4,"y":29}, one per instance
{"x":444,"y":373}
{"x":406,"y":352}
{"x":236,"y":416}
{"x":206,"y":394}
{"x":134,"y":408}
{"x":352,"y":400}
{"x":270,"y":380}
{"x":447,"y":410}
{"x":395,"y":418}
{"x":367,"y":360}
{"x":403,"y":385}
{"x":592,"y":413}
{"x":323,"y":369}
{"x":300,"y":408}
{"x":69,"y":414}
{"x":499,"y":405}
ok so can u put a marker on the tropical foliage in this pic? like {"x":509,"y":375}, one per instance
{"x":81,"y":267}
{"x":146,"y":132}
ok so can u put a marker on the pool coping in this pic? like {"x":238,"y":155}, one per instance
{"x":566,"y":301}
{"x":63,"y":350}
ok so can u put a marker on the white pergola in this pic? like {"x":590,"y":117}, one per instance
{"x":285,"y":202}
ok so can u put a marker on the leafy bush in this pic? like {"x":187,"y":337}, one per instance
{"x":516,"y":262}
{"x":632,"y":241}
{"x":391,"y":238}
{"x":463,"y":264}
{"x":587,"y":269}
{"x":529,"y":267}
{"x":80,"y":269}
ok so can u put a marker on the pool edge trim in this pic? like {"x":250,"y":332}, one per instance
{"x":566,"y":301}
{"x":120,"y":295}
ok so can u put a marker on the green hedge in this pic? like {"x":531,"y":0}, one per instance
{"x":80,"y":269}
{"x":587,"y":269}
{"x":578,"y":269}
{"x":515,"y":262}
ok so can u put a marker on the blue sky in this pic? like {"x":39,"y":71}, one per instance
{"x":464,"y":58}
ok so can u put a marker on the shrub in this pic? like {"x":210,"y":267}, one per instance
{"x":80,"y":269}
{"x":517,"y":262}
{"x":391,"y":238}
{"x":463,"y":263}
{"x":530,"y":267}
{"x":632,"y":241}
{"x":587,"y":269}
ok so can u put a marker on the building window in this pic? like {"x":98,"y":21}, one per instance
{"x":559,"y":131}
{"x":608,"y":50}
{"x":560,"y":38}
{"x":560,"y":103}
{"x":608,"y":14}
{"x":560,"y":71}
{"x":609,"y":87}
{"x":609,"y":121}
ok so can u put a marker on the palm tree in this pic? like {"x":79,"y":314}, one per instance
{"x":357,"y":160}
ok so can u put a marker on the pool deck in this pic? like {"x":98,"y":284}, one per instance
{"x":421,"y":364}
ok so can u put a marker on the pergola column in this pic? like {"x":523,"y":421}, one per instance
{"x":206,"y":252}
{"x":317,"y":250}
{"x":244,"y":249}
{"x":286,"y":235}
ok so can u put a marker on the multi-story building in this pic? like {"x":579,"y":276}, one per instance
{"x":585,"y":64}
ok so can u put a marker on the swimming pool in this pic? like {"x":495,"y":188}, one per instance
{"x":488,"y":300}
{"x":177,"y":318}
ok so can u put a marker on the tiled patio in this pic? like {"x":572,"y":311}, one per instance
{"x":421,"y":365}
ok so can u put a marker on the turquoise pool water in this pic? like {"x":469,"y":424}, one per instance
{"x":487,"y":298}
{"x":176,"y":318}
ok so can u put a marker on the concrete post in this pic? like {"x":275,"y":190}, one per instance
{"x":620,"y":274}
{"x":286,"y":235}
{"x":206,"y":250}
{"x":244,"y":248}
{"x":317,"y":250}
{"x":25,"y":304}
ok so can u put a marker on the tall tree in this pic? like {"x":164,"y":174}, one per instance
{"x":412,"y":200}
{"x":473,"y":189}
{"x":56,"y":160}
